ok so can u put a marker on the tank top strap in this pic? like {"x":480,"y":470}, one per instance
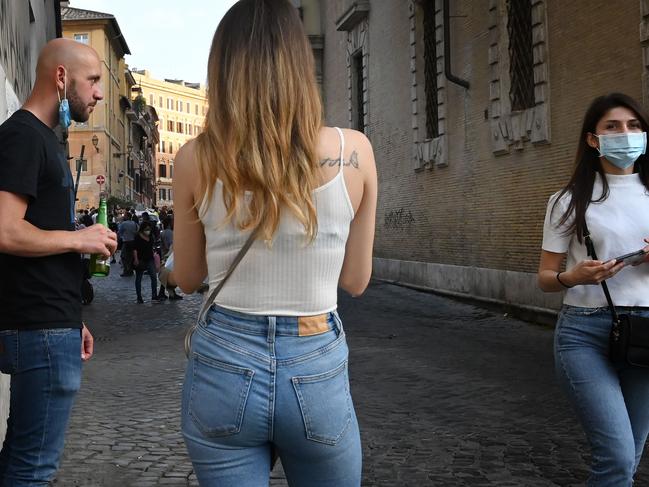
{"x":342,"y":148}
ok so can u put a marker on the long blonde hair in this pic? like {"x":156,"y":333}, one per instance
{"x":264,"y":116}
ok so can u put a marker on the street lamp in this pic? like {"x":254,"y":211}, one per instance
{"x":142,"y":181}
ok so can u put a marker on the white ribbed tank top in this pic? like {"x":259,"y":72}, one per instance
{"x":291,"y":278}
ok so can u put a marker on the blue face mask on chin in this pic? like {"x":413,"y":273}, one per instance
{"x":622,"y":150}
{"x":65,"y":117}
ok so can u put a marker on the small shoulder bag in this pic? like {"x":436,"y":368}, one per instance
{"x":629,"y":338}
{"x":212,"y":296}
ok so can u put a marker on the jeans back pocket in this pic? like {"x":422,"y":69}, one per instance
{"x":325,"y":403}
{"x":218,"y":396}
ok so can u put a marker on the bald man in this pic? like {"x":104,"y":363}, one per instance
{"x":42,"y":338}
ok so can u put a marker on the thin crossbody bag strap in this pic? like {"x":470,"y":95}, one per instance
{"x":215,"y":292}
{"x":590,"y":248}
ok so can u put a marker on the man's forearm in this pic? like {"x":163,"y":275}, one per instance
{"x":25,"y":240}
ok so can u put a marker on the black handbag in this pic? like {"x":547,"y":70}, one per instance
{"x":628,"y":341}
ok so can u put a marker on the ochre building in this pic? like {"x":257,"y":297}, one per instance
{"x":181,"y":107}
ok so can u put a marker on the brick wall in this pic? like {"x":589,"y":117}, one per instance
{"x":482,"y":210}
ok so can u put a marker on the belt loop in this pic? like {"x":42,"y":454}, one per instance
{"x":337,"y":321}
{"x":272,"y":328}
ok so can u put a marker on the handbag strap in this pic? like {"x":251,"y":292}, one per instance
{"x":590,"y":248}
{"x":212,"y":296}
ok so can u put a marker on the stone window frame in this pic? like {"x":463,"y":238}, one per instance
{"x":514,"y":128}
{"x":355,"y":21}
{"x":427,"y":153}
{"x":644,"y":42}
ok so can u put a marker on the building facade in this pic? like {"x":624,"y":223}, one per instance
{"x":120,"y":137}
{"x":25,"y":27}
{"x":181,"y":108}
{"x":473,"y":110}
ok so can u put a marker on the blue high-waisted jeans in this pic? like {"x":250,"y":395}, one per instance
{"x":611,"y":401}
{"x":253,"y":381}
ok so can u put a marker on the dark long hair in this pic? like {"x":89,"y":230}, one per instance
{"x":587,"y":162}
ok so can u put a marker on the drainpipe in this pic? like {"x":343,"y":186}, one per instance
{"x":447,"y":50}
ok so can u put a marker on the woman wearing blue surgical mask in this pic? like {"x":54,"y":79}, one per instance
{"x":607,"y":196}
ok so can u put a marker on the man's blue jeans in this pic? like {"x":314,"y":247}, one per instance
{"x":611,"y":401}
{"x":45,"y":369}
{"x":256,"y":380}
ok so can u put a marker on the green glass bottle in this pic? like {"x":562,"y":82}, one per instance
{"x":100,"y":267}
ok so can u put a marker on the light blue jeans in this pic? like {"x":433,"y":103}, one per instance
{"x":611,"y":401}
{"x":253,"y":381}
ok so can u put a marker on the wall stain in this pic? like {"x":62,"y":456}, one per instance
{"x":400,"y":219}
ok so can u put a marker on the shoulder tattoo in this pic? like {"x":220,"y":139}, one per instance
{"x":352,"y":161}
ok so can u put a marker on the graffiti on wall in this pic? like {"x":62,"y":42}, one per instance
{"x":400,"y":219}
{"x":15,"y":55}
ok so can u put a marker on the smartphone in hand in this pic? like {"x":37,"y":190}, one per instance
{"x":632,"y":258}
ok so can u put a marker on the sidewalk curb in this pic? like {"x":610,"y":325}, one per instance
{"x":534,"y":314}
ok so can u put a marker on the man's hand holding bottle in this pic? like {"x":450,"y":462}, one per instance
{"x":96,"y":239}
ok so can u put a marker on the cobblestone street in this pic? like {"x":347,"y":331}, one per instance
{"x":447,"y":394}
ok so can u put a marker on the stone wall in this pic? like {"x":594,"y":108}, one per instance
{"x":25,"y":26}
{"x":467,"y":208}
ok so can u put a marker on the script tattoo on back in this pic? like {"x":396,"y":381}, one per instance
{"x":352,"y":161}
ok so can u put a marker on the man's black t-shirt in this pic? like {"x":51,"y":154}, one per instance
{"x":38,"y":292}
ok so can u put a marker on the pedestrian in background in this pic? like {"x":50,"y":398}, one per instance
{"x":113,"y":228}
{"x":42,"y":338}
{"x":268,"y":364}
{"x":165,"y":283}
{"x":143,"y":261}
{"x":608,"y":195}
{"x":167,"y":235}
{"x":166,"y":241}
{"x":87,"y":219}
{"x":127,"y":230}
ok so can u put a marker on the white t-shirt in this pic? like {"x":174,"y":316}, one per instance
{"x":617,"y":225}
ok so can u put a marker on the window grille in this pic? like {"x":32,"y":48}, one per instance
{"x":430,"y":70}
{"x":357,"y":94}
{"x":521,"y":57}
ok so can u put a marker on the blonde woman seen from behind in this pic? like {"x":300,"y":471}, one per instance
{"x":268,"y":366}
